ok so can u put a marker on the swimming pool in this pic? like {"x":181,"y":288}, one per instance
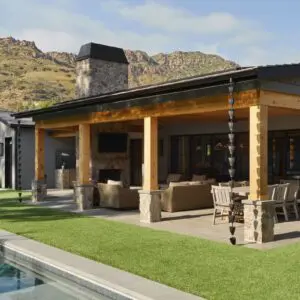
{"x":17,"y":282}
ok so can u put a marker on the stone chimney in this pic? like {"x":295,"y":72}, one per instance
{"x":100,"y":69}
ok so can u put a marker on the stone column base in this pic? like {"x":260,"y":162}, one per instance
{"x":150,"y":206}
{"x":259,"y":221}
{"x":84,"y":196}
{"x":39,"y":190}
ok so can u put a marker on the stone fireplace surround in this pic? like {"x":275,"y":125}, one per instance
{"x":108,"y":161}
{"x":112,"y":174}
{"x":119,"y":162}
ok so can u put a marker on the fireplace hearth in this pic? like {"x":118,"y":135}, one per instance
{"x":112,"y":174}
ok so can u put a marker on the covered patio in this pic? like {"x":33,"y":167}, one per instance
{"x":259,"y":93}
{"x":197,"y":223}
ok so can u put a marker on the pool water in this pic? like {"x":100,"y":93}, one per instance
{"x":18,"y":283}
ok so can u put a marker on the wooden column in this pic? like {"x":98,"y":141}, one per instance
{"x":150,"y":154}
{"x":258,"y":152}
{"x":39,"y":153}
{"x":84,"y":153}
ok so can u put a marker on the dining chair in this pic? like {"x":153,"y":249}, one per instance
{"x":294,"y":189}
{"x":292,"y":198}
{"x":271,"y":191}
{"x":221,"y":199}
{"x":285,"y":196}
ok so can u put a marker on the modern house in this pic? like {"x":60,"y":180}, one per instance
{"x":59,"y":151}
{"x":177,"y":127}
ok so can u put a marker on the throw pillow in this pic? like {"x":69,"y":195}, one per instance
{"x":113,"y":182}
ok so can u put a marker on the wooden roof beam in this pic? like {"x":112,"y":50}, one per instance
{"x":279,"y":100}
{"x":203,"y":104}
{"x":62,"y":134}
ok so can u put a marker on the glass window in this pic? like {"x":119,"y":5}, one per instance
{"x":174,"y":154}
{"x":197,"y":153}
{"x":66,"y":159}
{"x":293,"y":153}
{"x":220,"y":156}
{"x":200,"y":154}
{"x":180,"y":155}
{"x":242,"y":156}
{"x":1,"y":149}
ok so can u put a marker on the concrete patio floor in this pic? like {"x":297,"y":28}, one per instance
{"x":196,"y":223}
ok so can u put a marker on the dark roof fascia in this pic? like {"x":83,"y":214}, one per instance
{"x":150,"y":91}
{"x":280,"y":87}
{"x":278,"y":71}
{"x":142,"y":101}
{"x":22,"y":125}
{"x":13,"y":125}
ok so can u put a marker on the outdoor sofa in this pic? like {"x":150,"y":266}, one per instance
{"x":188,"y":195}
{"x":116,"y":196}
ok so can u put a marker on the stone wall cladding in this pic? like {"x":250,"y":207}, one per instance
{"x":259,"y":221}
{"x":64,"y":178}
{"x":84,"y":196}
{"x":39,"y":191}
{"x":109,"y":160}
{"x":95,"y":77}
{"x":150,"y":206}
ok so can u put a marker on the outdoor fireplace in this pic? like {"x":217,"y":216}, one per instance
{"x":112,"y":174}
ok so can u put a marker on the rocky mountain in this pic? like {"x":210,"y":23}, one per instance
{"x":30,"y":77}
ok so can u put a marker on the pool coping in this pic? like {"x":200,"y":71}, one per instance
{"x":103,"y":279}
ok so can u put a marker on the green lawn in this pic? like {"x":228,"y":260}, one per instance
{"x":209,"y":269}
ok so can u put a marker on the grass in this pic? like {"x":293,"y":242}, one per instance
{"x":205,"y":268}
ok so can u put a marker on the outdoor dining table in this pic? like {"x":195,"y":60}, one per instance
{"x":241,"y":190}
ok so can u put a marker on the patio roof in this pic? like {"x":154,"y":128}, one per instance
{"x":206,"y":84}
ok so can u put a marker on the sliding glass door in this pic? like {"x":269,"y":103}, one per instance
{"x":208,"y":154}
{"x":205,"y":154}
{"x":180,"y":155}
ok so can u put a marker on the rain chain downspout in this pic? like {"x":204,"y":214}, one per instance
{"x":231,"y":159}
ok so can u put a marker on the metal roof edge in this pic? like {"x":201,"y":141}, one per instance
{"x":164,"y":88}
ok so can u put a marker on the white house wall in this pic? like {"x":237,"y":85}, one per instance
{"x":51,"y":146}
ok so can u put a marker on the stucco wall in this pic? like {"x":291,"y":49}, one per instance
{"x":27,"y":155}
{"x":51,"y":146}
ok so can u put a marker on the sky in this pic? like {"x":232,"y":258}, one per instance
{"x":247,"y":32}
